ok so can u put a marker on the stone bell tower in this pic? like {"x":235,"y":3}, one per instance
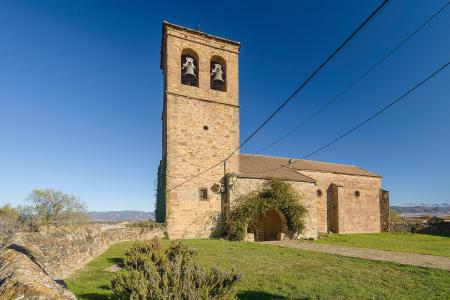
{"x":200,"y":128}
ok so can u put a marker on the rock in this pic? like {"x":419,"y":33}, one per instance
{"x":113,"y":268}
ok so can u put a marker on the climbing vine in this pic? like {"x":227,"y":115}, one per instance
{"x":275,"y":194}
{"x":161,"y":193}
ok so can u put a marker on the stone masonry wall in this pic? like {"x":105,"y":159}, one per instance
{"x":200,"y":128}
{"x":305,"y":190}
{"x":191,"y":149}
{"x":360,"y":214}
{"x":36,"y":262}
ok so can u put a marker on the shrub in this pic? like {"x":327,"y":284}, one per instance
{"x":146,"y":225}
{"x":8,"y":210}
{"x":149,"y":225}
{"x":9,"y":226}
{"x":275,"y":194}
{"x":154,"y":273}
{"x":21,"y":215}
{"x":28,"y":219}
{"x":435,"y":220}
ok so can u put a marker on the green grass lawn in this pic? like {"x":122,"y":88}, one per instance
{"x":404,"y":242}
{"x":271,"y":272}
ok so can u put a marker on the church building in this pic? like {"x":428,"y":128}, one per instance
{"x":200,"y":128}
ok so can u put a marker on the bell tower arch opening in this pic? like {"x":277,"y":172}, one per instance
{"x":189,"y":67}
{"x":218,"y":74}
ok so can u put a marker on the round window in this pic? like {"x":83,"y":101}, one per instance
{"x":319,"y":193}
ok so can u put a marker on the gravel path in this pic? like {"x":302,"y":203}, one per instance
{"x":421,"y":260}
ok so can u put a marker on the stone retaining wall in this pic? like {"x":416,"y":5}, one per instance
{"x":405,"y":227}
{"x":442,"y":228}
{"x":35,"y":264}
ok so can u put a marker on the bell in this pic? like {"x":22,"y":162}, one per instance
{"x":217,"y":74}
{"x":189,"y":70}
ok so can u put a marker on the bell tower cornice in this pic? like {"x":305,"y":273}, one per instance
{"x":197,"y":36}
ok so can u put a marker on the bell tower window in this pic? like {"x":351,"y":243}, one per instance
{"x":218,"y":74}
{"x":189,"y":68}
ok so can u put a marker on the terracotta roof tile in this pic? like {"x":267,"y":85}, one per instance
{"x":252,"y":165}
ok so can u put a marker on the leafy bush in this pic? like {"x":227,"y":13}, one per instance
{"x":275,"y":194}
{"x":154,"y":273}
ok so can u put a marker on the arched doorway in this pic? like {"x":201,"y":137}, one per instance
{"x":269,"y":226}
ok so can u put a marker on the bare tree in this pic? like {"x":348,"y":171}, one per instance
{"x":52,"y":207}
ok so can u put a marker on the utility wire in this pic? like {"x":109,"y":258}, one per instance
{"x":296,"y":91}
{"x":360,"y":124}
{"x":361,"y":77}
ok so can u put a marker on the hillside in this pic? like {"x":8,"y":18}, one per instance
{"x":417,"y":210}
{"x":120,"y":216}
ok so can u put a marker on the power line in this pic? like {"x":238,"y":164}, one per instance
{"x":361,"y":77}
{"x":296,"y":91}
{"x":360,"y":124}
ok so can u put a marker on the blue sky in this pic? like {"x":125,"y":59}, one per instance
{"x":81,"y":91}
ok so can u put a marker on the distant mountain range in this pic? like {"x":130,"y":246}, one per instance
{"x":423,"y":209}
{"x":411,"y":204}
{"x":120,"y":216}
{"x":410,"y":209}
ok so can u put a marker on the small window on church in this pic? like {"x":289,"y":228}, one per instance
{"x":319,"y":193}
{"x":357,"y":194}
{"x":203,"y":194}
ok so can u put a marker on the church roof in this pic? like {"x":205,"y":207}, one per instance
{"x":253,"y":166}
